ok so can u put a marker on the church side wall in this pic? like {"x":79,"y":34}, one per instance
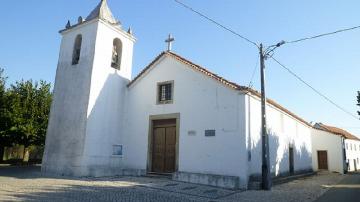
{"x":66,"y":130}
{"x":332,"y":144}
{"x":203,"y":104}
{"x":284,"y":131}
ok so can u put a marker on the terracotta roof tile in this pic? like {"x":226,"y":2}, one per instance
{"x":220,"y":79}
{"x":337,"y":131}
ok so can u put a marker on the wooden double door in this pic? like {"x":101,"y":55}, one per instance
{"x":164,"y":146}
{"x":322,"y":160}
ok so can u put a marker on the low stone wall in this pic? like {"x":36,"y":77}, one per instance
{"x":229,"y":182}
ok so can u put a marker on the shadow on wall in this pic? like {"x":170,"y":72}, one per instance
{"x":102,"y":132}
{"x":104,"y":123}
{"x":280,"y":157}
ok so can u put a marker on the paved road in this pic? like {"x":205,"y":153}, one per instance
{"x":347,"y":190}
{"x":29,"y":184}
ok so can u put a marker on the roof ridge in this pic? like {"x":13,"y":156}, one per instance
{"x":220,"y":79}
{"x":339,"y":131}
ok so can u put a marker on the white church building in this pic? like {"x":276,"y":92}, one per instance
{"x":174,"y":118}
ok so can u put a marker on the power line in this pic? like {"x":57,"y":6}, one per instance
{"x":278,"y":45}
{"x":322,"y":35}
{"x":253,"y":73}
{"x":215,"y":22}
{"x":315,"y":90}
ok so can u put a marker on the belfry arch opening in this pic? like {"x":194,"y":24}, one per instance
{"x":77,"y":50}
{"x":116,"y":54}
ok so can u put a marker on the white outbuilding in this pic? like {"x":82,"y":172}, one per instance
{"x":334,"y":149}
{"x":174,"y":118}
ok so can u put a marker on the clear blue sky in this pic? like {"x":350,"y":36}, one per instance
{"x":29,"y":44}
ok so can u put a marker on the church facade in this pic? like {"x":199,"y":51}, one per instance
{"x":174,"y":118}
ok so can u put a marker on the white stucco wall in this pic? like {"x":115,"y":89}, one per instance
{"x":352,"y":149}
{"x":284,"y":130}
{"x":67,"y":123}
{"x":325,"y":141}
{"x":203,"y":104}
{"x":106,"y":101}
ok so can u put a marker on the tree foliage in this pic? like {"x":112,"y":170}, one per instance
{"x":30,"y":106}
{"x":24,"y":110}
{"x":5,"y":122}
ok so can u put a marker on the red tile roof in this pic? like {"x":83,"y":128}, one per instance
{"x":220,"y":79}
{"x":337,"y":131}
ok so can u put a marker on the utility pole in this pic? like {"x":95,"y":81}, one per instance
{"x":266,"y":178}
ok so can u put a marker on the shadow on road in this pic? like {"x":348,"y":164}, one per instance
{"x":346,"y":190}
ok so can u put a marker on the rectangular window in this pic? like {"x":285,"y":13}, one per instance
{"x":165,"y":92}
{"x":347,"y":146}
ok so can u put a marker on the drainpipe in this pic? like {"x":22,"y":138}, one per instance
{"x":344,"y":155}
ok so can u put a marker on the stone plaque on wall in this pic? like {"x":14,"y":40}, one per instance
{"x":191,"y":132}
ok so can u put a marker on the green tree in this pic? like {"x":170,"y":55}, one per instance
{"x":29,"y":110}
{"x":5,"y":137}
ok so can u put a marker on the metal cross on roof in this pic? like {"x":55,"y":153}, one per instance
{"x":169,"y":41}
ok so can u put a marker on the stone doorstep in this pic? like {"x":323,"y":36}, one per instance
{"x":158,"y":175}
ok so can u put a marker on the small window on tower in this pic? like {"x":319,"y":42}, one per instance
{"x":116,"y":54}
{"x":165,"y":92}
{"x":77,"y":50}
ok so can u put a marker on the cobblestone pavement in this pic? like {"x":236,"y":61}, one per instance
{"x":28,"y":184}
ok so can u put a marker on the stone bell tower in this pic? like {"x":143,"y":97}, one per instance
{"x":95,"y":64}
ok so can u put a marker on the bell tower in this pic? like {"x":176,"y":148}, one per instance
{"x":94,"y":68}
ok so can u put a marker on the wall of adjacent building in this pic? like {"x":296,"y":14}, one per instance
{"x":284,"y":131}
{"x":352,"y":149}
{"x":332,"y":144}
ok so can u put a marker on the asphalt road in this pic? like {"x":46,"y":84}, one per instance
{"x":347,"y":190}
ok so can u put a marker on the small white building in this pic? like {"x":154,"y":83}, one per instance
{"x":175,"y":117}
{"x":334,"y":149}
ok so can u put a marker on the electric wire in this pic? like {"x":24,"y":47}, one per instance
{"x":215,"y":22}
{"x":314,"y":89}
{"x":322,"y":35}
{"x":253,"y":73}
{"x":271,"y":56}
